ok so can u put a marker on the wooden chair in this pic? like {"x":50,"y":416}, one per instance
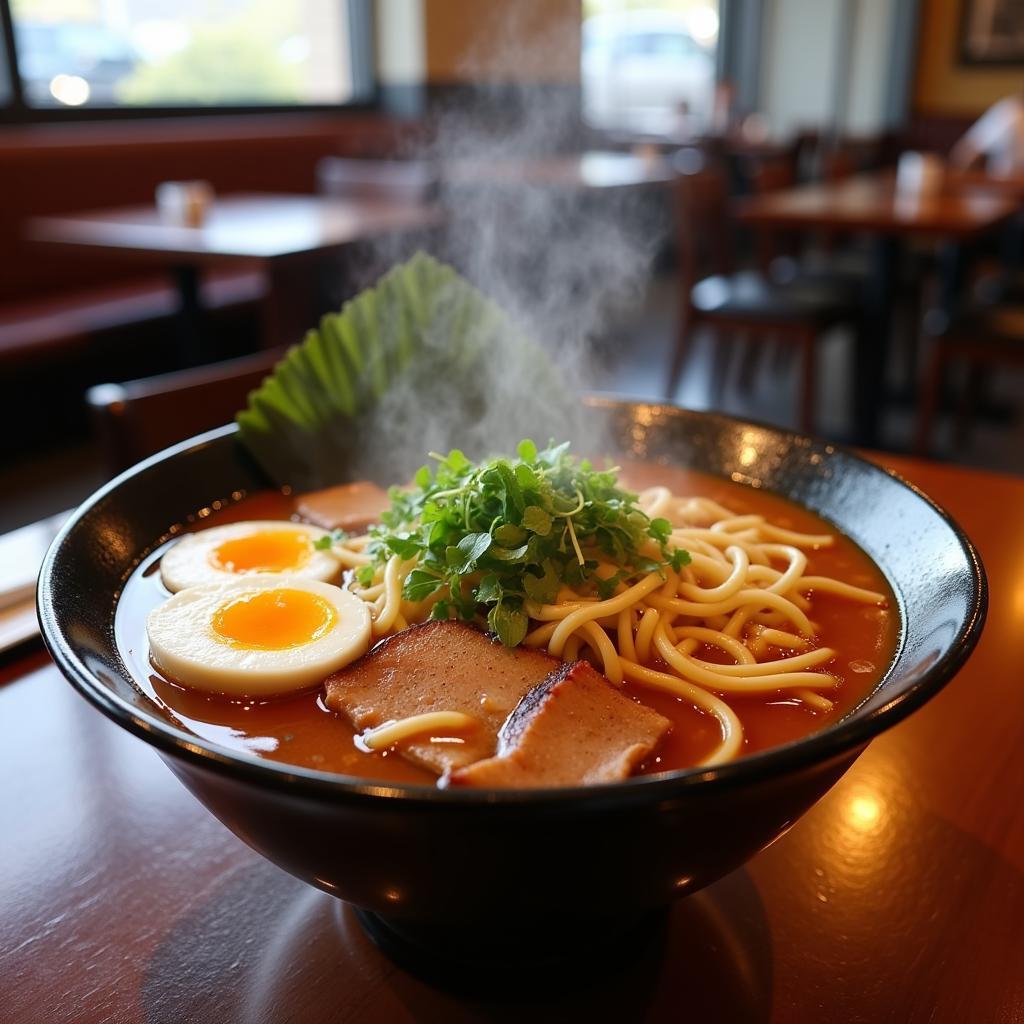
{"x":716,"y":296}
{"x":774,"y":175}
{"x":140,"y":417}
{"x":841,"y":158}
{"x":979,"y":341}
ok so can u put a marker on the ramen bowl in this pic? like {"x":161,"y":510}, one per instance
{"x":486,"y":875}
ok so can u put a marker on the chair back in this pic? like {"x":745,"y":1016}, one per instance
{"x":351,"y":178}
{"x":841,"y":158}
{"x":837,"y":165}
{"x":701,"y":214}
{"x":140,"y":417}
{"x":772,"y":175}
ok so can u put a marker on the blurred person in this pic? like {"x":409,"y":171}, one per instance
{"x":724,"y":112}
{"x":996,"y":140}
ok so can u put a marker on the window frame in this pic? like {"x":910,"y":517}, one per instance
{"x":361,"y":33}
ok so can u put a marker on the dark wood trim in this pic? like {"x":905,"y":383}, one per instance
{"x":20,"y":113}
{"x":14,"y":97}
{"x":106,"y":135}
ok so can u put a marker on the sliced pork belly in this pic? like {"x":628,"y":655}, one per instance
{"x":574,"y":728}
{"x":439,"y":666}
{"x":348,"y":507}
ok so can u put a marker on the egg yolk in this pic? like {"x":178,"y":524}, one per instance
{"x":273,"y":620}
{"x":263,"y":551}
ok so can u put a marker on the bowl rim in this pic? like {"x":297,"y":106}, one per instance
{"x":844,"y":738}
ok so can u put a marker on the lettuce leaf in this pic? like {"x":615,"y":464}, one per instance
{"x":421,"y":360}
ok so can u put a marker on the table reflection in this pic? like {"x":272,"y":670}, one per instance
{"x":280,"y":951}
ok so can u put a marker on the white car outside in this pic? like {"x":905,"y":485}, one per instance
{"x":640,"y":67}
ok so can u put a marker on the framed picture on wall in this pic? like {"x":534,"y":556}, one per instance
{"x":993,"y":32}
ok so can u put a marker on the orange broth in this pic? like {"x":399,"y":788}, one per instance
{"x":300,"y":730}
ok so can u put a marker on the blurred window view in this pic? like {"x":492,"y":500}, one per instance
{"x":148,"y":53}
{"x":648,"y":67}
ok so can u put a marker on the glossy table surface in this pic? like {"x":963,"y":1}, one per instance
{"x":591,"y":170}
{"x":1011,"y":185}
{"x":260,"y":226}
{"x":899,"y":897}
{"x":871,"y":203}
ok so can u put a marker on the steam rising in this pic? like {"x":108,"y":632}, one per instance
{"x":558,"y":259}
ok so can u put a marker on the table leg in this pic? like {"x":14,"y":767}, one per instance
{"x":953,"y":263}
{"x":290,"y":308}
{"x":189,"y":326}
{"x":1011,"y":245}
{"x":874,"y":341}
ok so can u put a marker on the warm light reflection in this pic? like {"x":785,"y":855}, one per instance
{"x":114,"y":540}
{"x":748,"y":455}
{"x":864,"y":812}
{"x":862,"y":840}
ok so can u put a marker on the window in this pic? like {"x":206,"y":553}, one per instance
{"x":6,"y":92}
{"x":132,"y":56}
{"x":648,"y":67}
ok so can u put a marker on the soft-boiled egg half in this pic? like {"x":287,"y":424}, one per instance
{"x":238,"y":549}
{"x":259,"y":635}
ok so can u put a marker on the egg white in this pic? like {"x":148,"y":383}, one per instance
{"x":184,"y":645}
{"x":189,"y":561}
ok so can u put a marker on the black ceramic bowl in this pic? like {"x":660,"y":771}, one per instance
{"x":489,"y":871}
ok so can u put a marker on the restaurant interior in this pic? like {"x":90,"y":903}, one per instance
{"x":806,"y":215}
{"x":459,"y":106}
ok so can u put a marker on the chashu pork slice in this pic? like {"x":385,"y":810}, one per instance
{"x":439,"y":666}
{"x":573,"y":729}
{"x":348,"y":507}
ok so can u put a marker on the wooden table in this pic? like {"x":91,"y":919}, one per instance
{"x":21,"y":554}
{"x":594,"y":170}
{"x":285,"y":234}
{"x":898,"y":898}
{"x":869,"y":204}
{"x":1011,"y":185}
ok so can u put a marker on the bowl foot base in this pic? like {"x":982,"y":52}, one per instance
{"x":550,"y":953}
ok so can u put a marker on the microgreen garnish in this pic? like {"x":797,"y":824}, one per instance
{"x":325,"y":542}
{"x":491,"y":536}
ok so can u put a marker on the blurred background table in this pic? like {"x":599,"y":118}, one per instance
{"x":594,"y":169}
{"x":900,"y":897}
{"x":287,"y":235}
{"x":1011,"y":185}
{"x":870,"y":205}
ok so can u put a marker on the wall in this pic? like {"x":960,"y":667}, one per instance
{"x":486,"y":40}
{"x":400,"y":42}
{"x":943,"y":85}
{"x":799,"y":55}
{"x":870,"y":66}
{"x":828,"y":59}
